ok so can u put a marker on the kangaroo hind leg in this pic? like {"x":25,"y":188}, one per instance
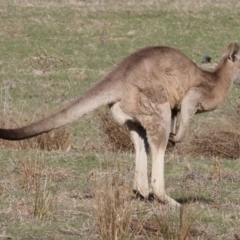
{"x":138,"y":135}
{"x":158,"y":127}
{"x":140,"y":182}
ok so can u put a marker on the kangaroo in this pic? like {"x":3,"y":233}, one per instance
{"x":142,"y":92}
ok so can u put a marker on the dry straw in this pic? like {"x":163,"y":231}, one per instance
{"x":112,"y":205}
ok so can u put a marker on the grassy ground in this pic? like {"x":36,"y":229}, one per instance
{"x":51,"y":52}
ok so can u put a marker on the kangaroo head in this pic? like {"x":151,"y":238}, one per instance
{"x":233,"y":55}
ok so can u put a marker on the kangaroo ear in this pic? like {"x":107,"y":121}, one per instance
{"x":233,"y":50}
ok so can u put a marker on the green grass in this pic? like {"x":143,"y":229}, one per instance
{"x":51,"y":52}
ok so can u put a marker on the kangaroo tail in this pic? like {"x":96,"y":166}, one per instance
{"x":106,"y":91}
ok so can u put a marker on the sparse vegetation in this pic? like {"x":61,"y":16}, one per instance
{"x":113,"y":208}
{"x":75,"y":182}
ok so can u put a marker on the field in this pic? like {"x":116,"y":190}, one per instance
{"x":74,"y":183}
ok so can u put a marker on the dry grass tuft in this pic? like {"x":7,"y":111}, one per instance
{"x":216,"y":177}
{"x":176,"y":224}
{"x":45,"y":197}
{"x":168,"y":224}
{"x":212,"y":144}
{"x":58,"y":139}
{"x":31,"y":171}
{"x":37,"y":179}
{"x":28,"y":170}
{"x":117,"y":137}
{"x":149,"y":228}
{"x":55,"y":140}
{"x":112,"y":205}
